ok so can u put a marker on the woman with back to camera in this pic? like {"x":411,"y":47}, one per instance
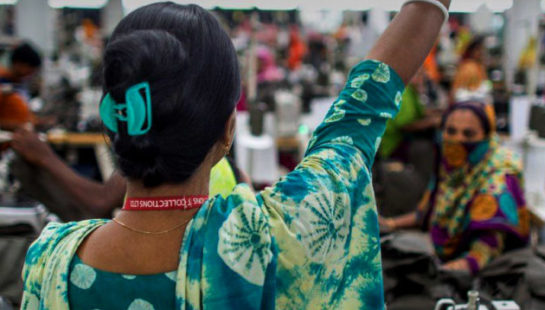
{"x":309,"y":242}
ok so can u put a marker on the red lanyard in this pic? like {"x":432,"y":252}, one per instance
{"x":164,"y":203}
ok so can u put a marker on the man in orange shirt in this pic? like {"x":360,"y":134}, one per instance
{"x":14,"y":110}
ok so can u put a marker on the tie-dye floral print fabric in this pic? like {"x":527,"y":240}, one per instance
{"x":85,"y":281}
{"x":309,"y":242}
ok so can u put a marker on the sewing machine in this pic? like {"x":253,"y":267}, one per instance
{"x":449,"y":304}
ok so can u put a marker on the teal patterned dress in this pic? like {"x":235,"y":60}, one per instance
{"x":311,"y":241}
{"x":86,"y":283}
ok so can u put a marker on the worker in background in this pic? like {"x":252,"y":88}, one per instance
{"x":25,"y":61}
{"x":412,"y":119}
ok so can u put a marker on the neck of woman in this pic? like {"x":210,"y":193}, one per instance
{"x":196,"y":185}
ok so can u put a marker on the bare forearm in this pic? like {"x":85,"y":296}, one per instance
{"x":99,"y":199}
{"x":409,"y":38}
{"x":405,"y":221}
{"x":10,"y":125}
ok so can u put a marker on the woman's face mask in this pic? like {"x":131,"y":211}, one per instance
{"x":463,"y":141}
{"x":458,"y":154}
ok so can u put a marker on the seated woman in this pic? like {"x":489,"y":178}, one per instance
{"x":414,"y":120}
{"x":474,"y":209}
{"x":311,"y":241}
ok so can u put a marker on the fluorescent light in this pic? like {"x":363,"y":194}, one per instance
{"x":8,"y":2}
{"x":131,"y":5}
{"x":336,"y":5}
{"x":321,"y":20}
{"x":389,"y":5}
{"x":83,"y":4}
{"x":499,"y":6}
{"x":458,"y":6}
{"x":277,"y":5}
{"x":465,"y":7}
{"x":237,"y":4}
{"x":471,"y":6}
{"x":363,"y":5}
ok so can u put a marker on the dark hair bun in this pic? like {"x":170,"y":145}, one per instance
{"x":192,"y":69}
{"x":150,"y":54}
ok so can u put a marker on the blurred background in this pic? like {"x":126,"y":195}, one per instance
{"x":294,"y":56}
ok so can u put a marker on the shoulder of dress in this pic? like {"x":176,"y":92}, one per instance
{"x":242,"y":193}
{"x":54,"y":232}
{"x":55,"y":242}
{"x":508,"y":161}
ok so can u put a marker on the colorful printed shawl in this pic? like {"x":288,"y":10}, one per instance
{"x":475,"y":208}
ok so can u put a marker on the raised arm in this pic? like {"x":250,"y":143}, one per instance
{"x":409,"y":38}
{"x":323,"y":214}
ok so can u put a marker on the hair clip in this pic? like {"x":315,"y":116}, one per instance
{"x":137,"y":110}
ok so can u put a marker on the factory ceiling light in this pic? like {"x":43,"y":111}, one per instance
{"x":131,"y":5}
{"x":83,"y":4}
{"x":460,"y":6}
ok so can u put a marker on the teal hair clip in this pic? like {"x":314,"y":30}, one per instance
{"x":137,"y":107}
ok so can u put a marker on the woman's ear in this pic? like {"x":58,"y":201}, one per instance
{"x":223,"y":145}
{"x":229,"y":133}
